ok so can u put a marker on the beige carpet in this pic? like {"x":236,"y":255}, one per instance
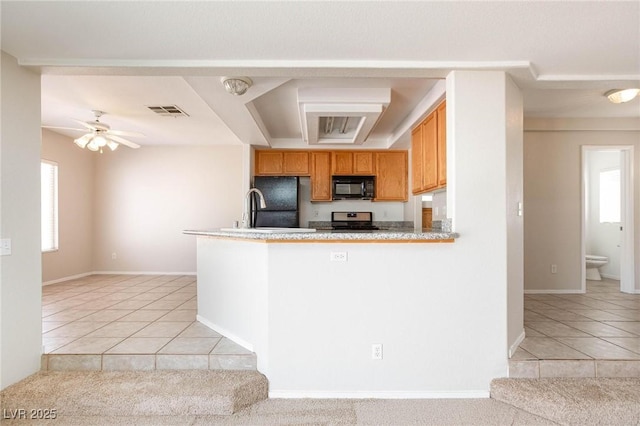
{"x":203,"y":398}
{"x":588,"y":401}
{"x":136,"y":393}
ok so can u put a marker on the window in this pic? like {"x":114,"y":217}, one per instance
{"x":49,"y":205}
{"x":610,"y":196}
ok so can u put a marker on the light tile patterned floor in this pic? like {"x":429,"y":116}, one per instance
{"x":584,"y":335}
{"x":131,"y":322}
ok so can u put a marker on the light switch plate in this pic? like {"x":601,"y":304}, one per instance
{"x":5,"y":247}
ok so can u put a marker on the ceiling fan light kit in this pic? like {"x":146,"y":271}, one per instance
{"x":100,"y":135}
{"x":237,"y":86}
{"x":618,"y":96}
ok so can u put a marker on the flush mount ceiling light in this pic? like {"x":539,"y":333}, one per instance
{"x":236,"y":85}
{"x":618,"y":96}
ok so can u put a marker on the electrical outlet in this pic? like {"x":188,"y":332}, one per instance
{"x":5,"y":247}
{"x":114,"y":256}
{"x":554,"y":269}
{"x":315,"y":213}
{"x":376,"y":351}
{"x":338,"y":256}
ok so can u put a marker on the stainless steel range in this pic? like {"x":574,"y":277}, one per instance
{"x":352,"y":221}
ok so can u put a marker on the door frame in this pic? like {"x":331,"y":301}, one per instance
{"x":627,"y":244}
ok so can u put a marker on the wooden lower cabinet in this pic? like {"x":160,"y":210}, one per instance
{"x":320,"y":175}
{"x":427,"y":218}
{"x":391,"y":176}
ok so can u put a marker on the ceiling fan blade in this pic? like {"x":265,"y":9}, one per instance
{"x":122,"y":133}
{"x":89,"y":126}
{"x":123,"y":141}
{"x":64,"y":128}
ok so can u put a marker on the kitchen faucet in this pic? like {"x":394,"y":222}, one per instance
{"x":246,"y":220}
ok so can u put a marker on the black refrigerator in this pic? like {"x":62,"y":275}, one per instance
{"x":281,"y":197}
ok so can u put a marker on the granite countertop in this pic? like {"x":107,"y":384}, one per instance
{"x":396,"y":234}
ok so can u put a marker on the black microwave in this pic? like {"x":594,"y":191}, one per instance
{"x":353,"y":187}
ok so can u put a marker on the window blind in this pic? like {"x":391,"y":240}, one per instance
{"x":49,"y":205}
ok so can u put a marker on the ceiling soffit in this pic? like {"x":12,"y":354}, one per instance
{"x":340,"y":116}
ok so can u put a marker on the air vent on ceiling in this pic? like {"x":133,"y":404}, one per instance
{"x":168,"y":111}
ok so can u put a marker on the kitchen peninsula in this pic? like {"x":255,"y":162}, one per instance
{"x":311,"y":304}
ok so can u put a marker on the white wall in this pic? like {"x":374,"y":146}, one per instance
{"x":515,"y":220}
{"x":20,"y":285}
{"x":145,"y":198}
{"x":602,"y":239}
{"x":75,"y":208}
{"x":552,"y":196}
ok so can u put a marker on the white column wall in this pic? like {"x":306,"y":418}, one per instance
{"x":21,"y":284}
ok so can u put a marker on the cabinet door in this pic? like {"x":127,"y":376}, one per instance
{"x":391,"y":176}
{"x":363,"y":163}
{"x":342,"y":162}
{"x":416,"y":160}
{"x":427,"y":218}
{"x":296,"y":163}
{"x":442,"y":144}
{"x":269,"y":163}
{"x":430,"y":153}
{"x":320,"y":176}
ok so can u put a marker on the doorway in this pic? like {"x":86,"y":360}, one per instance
{"x":608,"y":212}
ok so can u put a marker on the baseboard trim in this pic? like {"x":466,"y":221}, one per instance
{"x":226,"y":333}
{"x":379,"y":394}
{"x":86,"y":274}
{"x":141,"y":273}
{"x":551,"y":291}
{"x":69,"y":278}
{"x":514,"y":346}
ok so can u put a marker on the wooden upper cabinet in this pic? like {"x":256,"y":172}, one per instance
{"x":363,"y":163}
{"x":391,"y":177}
{"x":320,"y":175}
{"x":416,"y":160}
{"x":269,"y":163}
{"x":296,"y":163}
{"x":442,"y":144}
{"x":342,"y":162}
{"x":352,"y":163}
{"x":429,"y":152}
{"x":282,"y":163}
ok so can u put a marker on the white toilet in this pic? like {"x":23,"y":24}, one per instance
{"x":593,"y":263}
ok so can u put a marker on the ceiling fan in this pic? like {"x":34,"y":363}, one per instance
{"x":100,"y":135}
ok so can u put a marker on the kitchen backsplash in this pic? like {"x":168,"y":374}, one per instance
{"x":321,"y":211}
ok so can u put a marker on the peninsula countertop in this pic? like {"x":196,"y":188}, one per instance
{"x":324,"y":235}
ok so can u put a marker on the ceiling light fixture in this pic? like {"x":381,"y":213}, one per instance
{"x":95,"y":141}
{"x":618,"y":96}
{"x":236,"y":85}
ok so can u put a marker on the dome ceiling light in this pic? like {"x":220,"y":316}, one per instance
{"x":618,"y":96}
{"x":237,"y":86}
